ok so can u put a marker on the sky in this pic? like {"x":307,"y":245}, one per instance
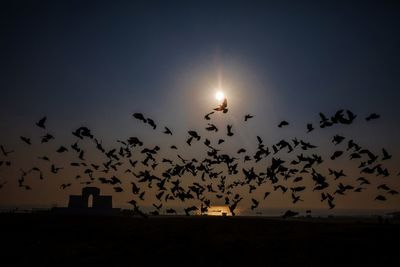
{"x":95,"y":63}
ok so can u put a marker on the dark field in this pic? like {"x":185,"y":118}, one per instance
{"x":56,"y":240}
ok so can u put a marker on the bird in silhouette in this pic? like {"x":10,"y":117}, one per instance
{"x":82,"y":132}
{"x":281,"y":187}
{"x":242,"y":150}
{"x":372,"y":116}
{"x":55,"y":169}
{"x":298,"y":188}
{"x":355,"y":156}
{"x":340,"y":118}
{"x":337,"y":139}
{"x":5,"y":152}
{"x":194,"y":135}
{"x":393,"y":192}
{"x":247,"y":117}
{"x":189,"y":140}
{"x":297,"y":179}
{"x":26,"y":140}
{"x":363,"y":181}
{"x":229,"y":129}
{"x":140,"y":117}
{"x":118,"y":189}
{"x":211,"y":127}
{"x":63,"y":186}
{"x":295,"y":198}
{"x":283,"y":123}
{"x":171,"y":211}
{"x":62,"y":149}
{"x":336,"y":154}
{"x":46,"y":138}
{"x":41,"y":123}
{"x":7,"y":163}
{"x":255,"y":204}
{"x":233,"y":206}
{"x":45,"y":158}
{"x":190,"y":209}
{"x":324,"y":121}
{"x":151,"y":123}
{"x":380,"y":198}
{"x":331,"y":204}
{"x":386,"y":155}
{"x":167,"y":131}
{"x":337,"y":174}
{"x":310,"y":127}
{"x":352,"y":145}
{"x":384,"y":187}
{"x":223,"y":106}
{"x":207,"y":116}
{"x":134,"y":141}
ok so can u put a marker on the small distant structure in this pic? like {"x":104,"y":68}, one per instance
{"x":79,"y":204}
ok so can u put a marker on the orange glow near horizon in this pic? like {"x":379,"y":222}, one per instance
{"x":219,"y":211}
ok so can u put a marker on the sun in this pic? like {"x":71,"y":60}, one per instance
{"x":219,"y":96}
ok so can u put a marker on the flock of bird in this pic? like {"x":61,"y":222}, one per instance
{"x":217,"y":174}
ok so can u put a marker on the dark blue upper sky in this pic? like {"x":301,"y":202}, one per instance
{"x":61,"y":54}
{"x":96,"y":62}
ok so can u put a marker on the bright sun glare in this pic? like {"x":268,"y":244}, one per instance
{"x":219,"y":96}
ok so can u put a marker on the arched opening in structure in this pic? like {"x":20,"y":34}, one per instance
{"x":90,"y":201}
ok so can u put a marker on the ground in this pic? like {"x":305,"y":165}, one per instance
{"x":61,"y":240}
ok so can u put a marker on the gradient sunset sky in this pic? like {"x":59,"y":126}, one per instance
{"x":95,"y":63}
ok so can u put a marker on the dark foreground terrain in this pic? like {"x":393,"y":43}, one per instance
{"x":56,"y":240}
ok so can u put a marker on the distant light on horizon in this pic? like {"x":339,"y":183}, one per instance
{"x":219,"y":211}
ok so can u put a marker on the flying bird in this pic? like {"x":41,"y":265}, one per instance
{"x":283,"y":123}
{"x":242,"y":150}
{"x":207,"y":116}
{"x":211,"y":127}
{"x":386,"y":155}
{"x":5,"y":153}
{"x":247,"y":117}
{"x":26,"y":140}
{"x":139,"y":116}
{"x":223,"y":106}
{"x":62,"y":149}
{"x":255,"y":204}
{"x":372,"y":116}
{"x":41,"y":123}
{"x":151,"y":123}
{"x":380,"y":198}
{"x":63,"y":186}
{"x":167,"y":131}
{"x":194,"y":134}
{"x":46,"y":138}
{"x":310,"y":127}
{"x":229,"y":129}
{"x":336,"y":154}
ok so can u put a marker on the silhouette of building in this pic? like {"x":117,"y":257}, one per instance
{"x":79,"y":204}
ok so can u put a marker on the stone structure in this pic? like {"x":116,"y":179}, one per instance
{"x":99,"y":202}
{"x":79,"y":204}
